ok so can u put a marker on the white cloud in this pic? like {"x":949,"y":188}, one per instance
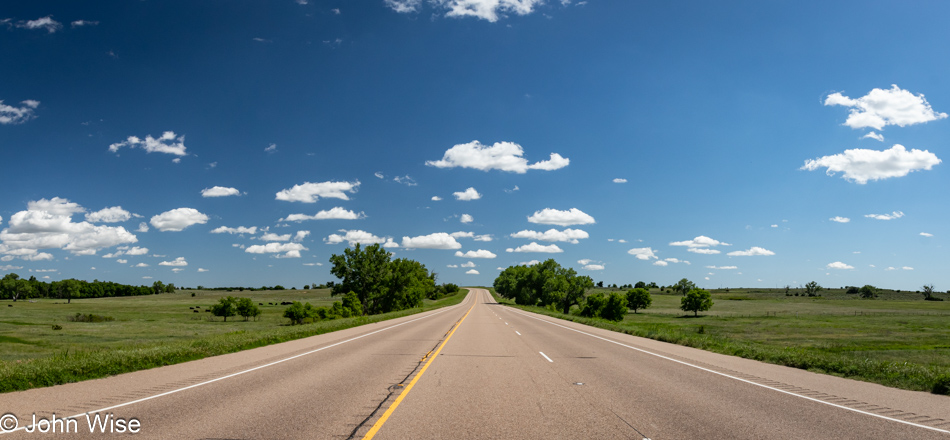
{"x":355,"y":236}
{"x":703,"y":251}
{"x":290,"y":250}
{"x":403,"y":6}
{"x":178,"y":219}
{"x":568,"y":235}
{"x":874,"y":135}
{"x":620,"y":180}
{"x":676,"y":260}
{"x":481,"y":253}
{"x":594,"y":267}
{"x":504,"y":156}
{"x":881,"y":107}
{"x":47,"y":23}
{"x":701,"y":241}
{"x":907,"y":268}
{"x":336,"y":213}
{"x":47,"y":224}
{"x":56,"y":206}
{"x":220,"y":191}
{"x":238,"y":230}
{"x":838,"y":265}
{"x":438,"y":240}
{"x":39,"y":256}
{"x":81,"y":23}
{"x":135,"y":250}
{"x":840,"y":219}
{"x":891,"y":216}
{"x":660,"y":263}
{"x":468,"y":194}
{"x":335,"y":11}
{"x":466,"y":218}
{"x":753,"y":251}
{"x":549,"y":216}
{"x":453,"y":266}
{"x":860,"y":165}
{"x":168,"y":143}
{"x":405,"y":180}
{"x":471,"y":272}
{"x":524,"y":263}
{"x":270,"y":236}
{"x":202,"y":269}
{"x":121,"y":261}
{"x":18,"y":115}
{"x":141,"y":265}
{"x":143,"y":227}
{"x":483,"y":237}
{"x":379,"y":175}
{"x":462,"y":234}
{"x":535,"y":247}
{"x":722,"y":267}
{"x":926,"y":234}
{"x":436,"y":198}
{"x":469,"y":264}
{"x":311,"y":192}
{"x":10,"y":267}
{"x":109,"y":215}
{"x":642,"y":253}
{"x":300,"y":235}
{"x":272,"y":148}
{"x":178,"y":262}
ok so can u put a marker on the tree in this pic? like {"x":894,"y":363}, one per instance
{"x":639,"y":298}
{"x":927,"y":290}
{"x":868,"y":291}
{"x":615,"y":308}
{"x":158,"y":287}
{"x":170,"y":288}
{"x":351,"y":303}
{"x":600,"y":284}
{"x":594,"y":305}
{"x":683,"y":286}
{"x":812,"y":288}
{"x":297,"y":312}
{"x":246,"y":308}
{"x":224,"y":307}
{"x":640,"y":285}
{"x":408,"y":283}
{"x":365,"y":271}
{"x":696,"y":300}
{"x":68,"y":289}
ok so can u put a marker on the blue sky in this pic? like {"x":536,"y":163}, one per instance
{"x":242,"y":143}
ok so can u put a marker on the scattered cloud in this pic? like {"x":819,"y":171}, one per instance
{"x":568,"y":235}
{"x":270,"y":236}
{"x":220,"y":191}
{"x":453,"y":266}
{"x":469,"y":264}
{"x":593,"y":267}
{"x":535,"y":247}
{"x":860,"y":165}
{"x":352,"y":237}
{"x":466,"y":218}
{"x":512,"y":190}
{"x":335,"y":11}
{"x":46,"y":23}
{"x":549,"y":216}
{"x":701,"y":241}
{"x":753,"y":251}
{"x":874,"y":135}
{"x":18,"y":115}
{"x":722,"y":267}
{"x":272,"y":148}
{"x":436,"y":198}
{"x":881,"y":107}
{"x":311,"y":192}
{"x":405,"y":180}
{"x":926,"y":234}
{"x":660,"y":263}
{"x":114,"y":214}
{"x":643,"y":253}
{"x":471,"y":272}
{"x":891,"y":216}
{"x":620,"y":180}
{"x":336,"y":213}
{"x":300,"y":235}
{"x":238,"y":230}
{"x":202,"y":269}
{"x":467,"y":195}
{"x":283,"y":250}
{"x":838,"y":265}
{"x":481,"y":253}
{"x":167,"y":143}
{"x":703,"y":251}
{"x":379,"y":175}
{"x":178,"y":219}
{"x":178,"y":262}
{"x":483,"y":237}
{"x":840,"y":219}
{"x":438,"y":240}
{"x":676,"y":260}
{"x":503,"y":156}
{"x":143,"y":227}
{"x":81,"y":23}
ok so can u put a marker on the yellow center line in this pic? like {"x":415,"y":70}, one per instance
{"x":379,"y":423}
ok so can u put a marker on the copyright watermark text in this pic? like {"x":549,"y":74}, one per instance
{"x":104,"y":423}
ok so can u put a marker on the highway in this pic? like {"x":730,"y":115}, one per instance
{"x":481,"y":370}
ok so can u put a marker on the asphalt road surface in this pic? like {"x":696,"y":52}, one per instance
{"x":476,"y":370}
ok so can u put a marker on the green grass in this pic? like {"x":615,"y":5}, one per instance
{"x":902,"y":342}
{"x":148,"y":332}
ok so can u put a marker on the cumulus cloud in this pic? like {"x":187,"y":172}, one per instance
{"x":469,"y":264}
{"x":167,"y":143}
{"x":472,"y":272}
{"x":466,"y":218}
{"x":535,"y":247}
{"x":591,"y":266}
{"x":840,"y":219}
{"x":436,"y":198}
{"x":503,"y":156}
{"x":703,"y":251}
{"x":300,"y":235}
{"x":483,"y":237}
{"x":135,"y":250}
{"x":549,"y":216}
{"x":462,"y":234}
{"x":891,"y":216}
{"x":143,"y":227}
{"x":47,"y":224}
{"x":660,"y":263}
{"x":568,"y":235}
{"x":352,"y":237}
{"x":468,"y":194}
{"x":202,"y":269}
{"x":620,"y":180}
{"x":701,"y":241}
{"x":311,"y":192}
{"x":178,"y":219}
{"x":141,"y":265}
{"x":642,"y":253}
{"x":753,"y":251}
{"x":178,"y":262}
{"x":238,"y":230}
{"x":860,"y":165}
{"x":438,"y":240}
{"x":336,"y":213}
{"x":926,"y":234}
{"x":220,"y":191}
{"x":46,"y":23}
{"x":289,"y":250}
{"x":18,"y":115}
{"x":481,"y":253}
{"x":114,"y":214}
{"x":881,"y":107}
{"x":270,"y":236}
{"x":838,"y":265}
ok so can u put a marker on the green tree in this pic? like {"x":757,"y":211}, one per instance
{"x":158,"y":287}
{"x":513,"y":283}
{"x":696,"y":300}
{"x":246,"y":308}
{"x":351,"y":303}
{"x":868,"y":291}
{"x":640,"y":285}
{"x":683,"y":286}
{"x":927,"y":290}
{"x":68,"y":289}
{"x":615,"y":308}
{"x":639,"y":298}
{"x":812,"y":288}
{"x":408,"y":283}
{"x":594,"y":304}
{"x":170,"y":288}
{"x":365,"y":271}
{"x":297,"y":312}
{"x":224,"y":308}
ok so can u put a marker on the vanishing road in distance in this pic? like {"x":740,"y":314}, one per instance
{"x":478,"y":370}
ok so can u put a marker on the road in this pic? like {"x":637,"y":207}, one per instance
{"x":481,"y":370}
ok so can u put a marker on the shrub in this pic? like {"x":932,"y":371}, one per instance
{"x":297,"y":312}
{"x":57,"y":327}
{"x":941,"y":385}
{"x":79,"y":317}
{"x":594,"y":304}
{"x":615,"y":308}
{"x":192,"y":294}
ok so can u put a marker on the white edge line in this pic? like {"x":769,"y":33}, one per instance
{"x":736,"y":378}
{"x":242,"y":372}
{"x":545,"y":356}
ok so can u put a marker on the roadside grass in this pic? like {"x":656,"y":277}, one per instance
{"x":898,"y":343}
{"x":149,"y":331}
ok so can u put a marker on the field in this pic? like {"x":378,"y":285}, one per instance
{"x":148,"y":331}
{"x":897,"y":339}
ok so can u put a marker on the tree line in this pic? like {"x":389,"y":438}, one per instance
{"x":16,"y":288}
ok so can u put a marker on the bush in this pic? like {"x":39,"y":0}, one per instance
{"x":90,"y":318}
{"x":57,"y":327}
{"x":192,"y":294}
{"x":941,"y":385}
{"x":615,"y":308}
{"x":297,"y":312}
{"x":594,"y":305}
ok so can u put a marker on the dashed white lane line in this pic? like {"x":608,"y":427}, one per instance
{"x":506,"y":323}
{"x":545,"y":356}
{"x":516,"y":331}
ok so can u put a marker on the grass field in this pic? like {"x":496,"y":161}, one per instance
{"x":898,"y":339}
{"x":148,"y":331}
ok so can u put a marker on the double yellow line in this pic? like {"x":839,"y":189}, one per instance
{"x":379,"y":423}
